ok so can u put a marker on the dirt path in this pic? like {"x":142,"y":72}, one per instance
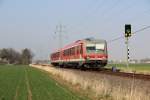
{"x":17,"y":89}
{"x":28,"y":86}
{"x":16,"y":93}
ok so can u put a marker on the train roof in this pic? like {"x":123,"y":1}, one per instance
{"x":94,"y":40}
{"x":87,"y":40}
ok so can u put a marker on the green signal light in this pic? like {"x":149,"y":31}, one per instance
{"x":127,"y":30}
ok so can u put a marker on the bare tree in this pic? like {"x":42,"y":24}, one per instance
{"x":10,"y":55}
{"x":26,"y":56}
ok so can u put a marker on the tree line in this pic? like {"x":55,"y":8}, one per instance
{"x":11,"y":56}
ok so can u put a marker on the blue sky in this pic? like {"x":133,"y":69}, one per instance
{"x":32,"y":24}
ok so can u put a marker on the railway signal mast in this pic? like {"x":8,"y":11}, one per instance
{"x":127,"y":36}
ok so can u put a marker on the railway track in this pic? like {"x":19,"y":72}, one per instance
{"x":125,"y":74}
{"x":133,"y":75}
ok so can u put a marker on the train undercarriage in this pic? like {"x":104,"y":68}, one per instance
{"x":82,"y":64}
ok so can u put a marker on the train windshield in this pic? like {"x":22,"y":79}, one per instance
{"x":95,"y":48}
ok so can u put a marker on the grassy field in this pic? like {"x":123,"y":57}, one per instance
{"x":26,"y":83}
{"x":143,"y":68}
{"x":99,"y":86}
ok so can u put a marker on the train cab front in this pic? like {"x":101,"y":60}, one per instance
{"x":96,"y":54}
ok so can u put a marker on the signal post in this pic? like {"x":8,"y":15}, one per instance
{"x":127,"y":36}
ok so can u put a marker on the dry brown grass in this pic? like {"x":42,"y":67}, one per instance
{"x":103,"y":87}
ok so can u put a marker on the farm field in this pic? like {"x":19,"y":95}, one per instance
{"x":27,"y":83}
{"x":139,"y":68}
{"x":99,"y":86}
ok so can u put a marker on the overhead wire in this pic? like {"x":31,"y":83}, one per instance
{"x":138,"y":16}
{"x":106,"y":9}
{"x":109,"y":10}
{"x":115,"y":39}
{"x":120,"y":37}
{"x":120,"y":11}
{"x":111,"y":7}
{"x":87,"y":15}
{"x":100,"y":5}
{"x":104,"y":12}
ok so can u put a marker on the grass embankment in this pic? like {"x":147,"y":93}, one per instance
{"x":138,"y":68}
{"x":26,"y":83}
{"x":100,"y":86}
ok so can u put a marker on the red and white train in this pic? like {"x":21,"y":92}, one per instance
{"x":90,"y":53}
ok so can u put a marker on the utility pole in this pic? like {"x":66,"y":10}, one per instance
{"x":127,"y":35}
{"x":59,"y":30}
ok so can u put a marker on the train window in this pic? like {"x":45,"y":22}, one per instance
{"x":55,"y":55}
{"x":77,"y":49}
{"x":81,"y":49}
{"x":90,"y":49}
{"x":99,"y":51}
{"x":63,"y":53}
{"x":70,"y":51}
{"x":67,"y":52}
{"x":73,"y":50}
{"x":95,"y":48}
{"x":100,"y":46}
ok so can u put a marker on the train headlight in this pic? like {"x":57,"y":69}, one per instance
{"x":88,"y":58}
